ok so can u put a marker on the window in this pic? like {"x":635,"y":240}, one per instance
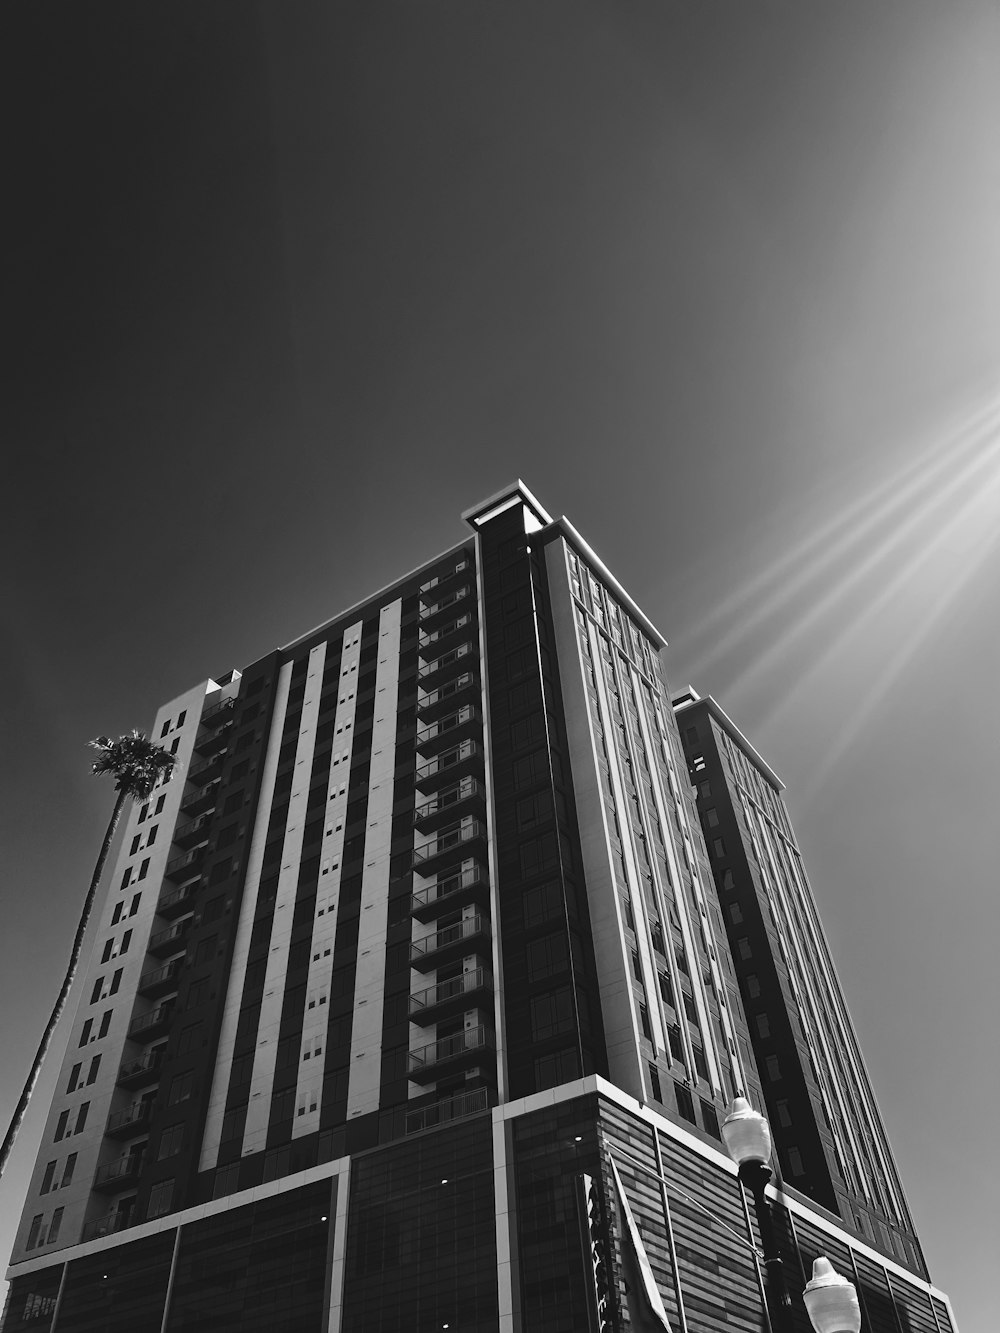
{"x":144,"y":868}
{"x":227,"y":1180}
{"x":95,"y":1065}
{"x":166,"y":728}
{"x":795,"y":1161}
{"x":170,"y":1142}
{"x":135,"y":844}
{"x":232,"y":1124}
{"x":784,"y":1115}
{"x":159,"y":805}
{"x":773,"y":1068}
{"x":539,"y":854}
{"x":763,"y":1025}
{"x":712,"y":817}
{"x":95,"y":994}
{"x":105,"y":1023}
{"x":718,"y":847}
{"x":636,"y":966}
{"x":654,"y":1083}
{"x":735,"y":913}
{"x":110,"y":944}
{"x":116,"y":917}
{"x":743,"y":946}
{"x":151,"y":835}
{"x":159,"y":1199}
{"x":541,"y":904}
{"x":116,"y":981}
{"x":547,"y":956}
{"x":174,"y":744}
{"x":705,"y":789}
{"x":206,"y":948}
{"x":700,"y":1063}
{"x":126,"y":940}
{"x":710,"y":1119}
{"x":126,"y":878}
{"x":676,"y":1045}
{"x":68,"y":1170}
{"x":534,"y":810}
{"x":197,"y":993}
{"x":551,"y":1013}
{"x":647,"y":1031}
{"x":61,"y":1126}
{"x":81,"y":1118}
{"x":753,"y":985}
{"x":282,"y":1105}
{"x":180,"y":1088}
{"x":666,"y":990}
{"x":181,"y":716}
{"x":186,"y":1041}
{"x":133,"y":906}
{"x":46,"y":1184}
{"x":555,"y":1068}
{"x":527,"y":730}
{"x":85,"y":1033}
{"x":685,"y":1103}
{"x":531,"y":768}
{"x":33,"y":1230}
{"x":728,"y":880}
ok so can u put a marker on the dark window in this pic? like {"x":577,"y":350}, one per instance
{"x":95,"y":994}
{"x":188,"y":1037}
{"x":710,"y":1119}
{"x":95,"y":1064}
{"x":753,"y":985}
{"x":180,"y":1088}
{"x":700,"y":1063}
{"x":69,"y":1168}
{"x":541,"y":904}
{"x":46,"y":1185}
{"x":773,"y":1068}
{"x":105,"y":1023}
{"x":719,"y":847}
{"x":61,"y":1126}
{"x":109,"y":944}
{"x":534,"y":810}
{"x":666,"y":990}
{"x":181,"y":716}
{"x":213,"y":908}
{"x":134,"y":904}
{"x":282,"y":1105}
{"x":676,"y":1045}
{"x":159,"y":1199}
{"x":527,"y":730}
{"x":233,"y":803}
{"x":227,"y":1179}
{"x":551,"y":1013}
{"x":126,"y":938}
{"x":206,"y":948}
{"x":712,"y":817}
{"x":81,"y":1117}
{"x":85,"y":1034}
{"x":151,"y":835}
{"x":74,"y":1077}
{"x":784,"y":1115}
{"x":743,"y":946}
{"x":763,"y":1025}
{"x":116,"y":981}
{"x":647,"y":1031}
{"x":558,"y":1067}
{"x":170,"y":1142}
{"x":547,"y":956}
{"x":654,"y":1083}
{"x":735,"y":913}
{"x":529,"y":769}
{"x":685,"y":1103}
{"x":33,"y":1230}
{"x":539,"y":854}
{"x":728,"y":880}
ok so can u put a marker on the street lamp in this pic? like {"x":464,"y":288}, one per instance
{"x":747,"y":1137}
{"x":831,"y":1301}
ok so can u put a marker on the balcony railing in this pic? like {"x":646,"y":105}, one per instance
{"x":169,"y":940}
{"x":186,"y":866}
{"x":452,"y":942}
{"x":436,"y":701}
{"x":451,"y":996}
{"x":212,"y":742}
{"x":449,"y":765}
{"x":143,"y":1070}
{"x":450,"y":891}
{"x":177,"y":900}
{"x":161,"y":979}
{"x":428,"y":590}
{"x":217,"y":712}
{"x":146,"y":1025}
{"x":449,"y":844}
{"x":429,"y":640}
{"x":442,"y":731}
{"x":193,"y":830}
{"x":201,"y":773}
{"x":449,"y":1108}
{"x":120,"y":1174}
{"x":448,"y":799}
{"x":425,"y":1064}
{"x":109,"y":1224}
{"x":132,"y":1120}
{"x":432,"y":612}
{"x":202,"y":799}
{"x":444,"y":663}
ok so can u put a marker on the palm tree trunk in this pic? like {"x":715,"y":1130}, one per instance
{"x":60,"y":1004}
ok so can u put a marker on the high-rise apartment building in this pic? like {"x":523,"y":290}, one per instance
{"x":414,"y":1004}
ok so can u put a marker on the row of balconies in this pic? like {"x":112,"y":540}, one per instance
{"x":447,"y":799}
{"x":444,"y":730}
{"x":451,"y":891}
{"x":444,"y":946}
{"x":428,"y":1063}
{"x":444,"y":663}
{"x":447,"y":1109}
{"x":430,"y":641}
{"x":449,"y":997}
{"x":431,"y":702}
{"x":448,"y":844}
{"x":432,"y":589}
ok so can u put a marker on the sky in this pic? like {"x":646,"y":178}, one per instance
{"x":288,"y":287}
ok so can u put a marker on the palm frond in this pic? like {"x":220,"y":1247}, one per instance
{"x":135,"y":763}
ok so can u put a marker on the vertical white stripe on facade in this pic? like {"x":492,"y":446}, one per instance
{"x":365,"y":1074}
{"x":212,"y":1136}
{"x":312,"y":1054}
{"x":269,"y":1022}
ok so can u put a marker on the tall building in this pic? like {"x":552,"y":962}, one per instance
{"x":413,"y":1005}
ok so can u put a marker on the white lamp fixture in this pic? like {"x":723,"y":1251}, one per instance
{"x":831,"y":1301}
{"x":747,"y":1134}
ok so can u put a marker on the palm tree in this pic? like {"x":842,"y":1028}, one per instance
{"x":137,"y":765}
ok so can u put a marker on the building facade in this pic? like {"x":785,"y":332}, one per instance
{"x":414,"y":1004}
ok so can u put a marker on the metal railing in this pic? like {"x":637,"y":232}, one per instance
{"x":161,"y":1014}
{"x":448,"y":838}
{"x":449,"y":1108}
{"x":448,"y":990}
{"x":448,"y":1048}
{"x":470,"y":875}
{"x":465,"y":929}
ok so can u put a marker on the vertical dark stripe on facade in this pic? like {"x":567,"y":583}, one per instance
{"x":553,"y":1033}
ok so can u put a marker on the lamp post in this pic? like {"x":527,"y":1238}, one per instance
{"x":747,"y":1137}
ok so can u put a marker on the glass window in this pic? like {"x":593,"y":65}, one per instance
{"x":159,"y":1198}
{"x":69,"y":1168}
{"x":171,"y":1141}
{"x":46,"y":1184}
{"x":551,"y":1013}
{"x":33,"y":1230}
{"x":763,"y":1025}
{"x":773,"y":1068}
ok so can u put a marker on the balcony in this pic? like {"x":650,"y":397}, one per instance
{"x":199,"y":800}
{"x":436,"y":611}
{"x":119,"y":1175}
{"x":194,"y":830}
{"x":142,"y":1071}
{"x":170,"y":940}
{"x":149,"y":1025}
{"x":109,"y":1224}
{"x":432,"y":1062}
{"x":449,"y":765}
{"x":177,"y":900}
{"x":431,"y":590}
{"x":213,"y":741}
{"x":448,"y":801}
{"x":432,"y":642}
{"x":202,"y":773}
{"x":450,"y":997}
{"x":449,"y":845}
{"x":451,"y":891}
{"x":449,"y":1108}
{"x":446,"y":730}
{"x":465,"y":937}
{"x":186,"y":866}
{"x":446,"y":665}
{"x":435,"y":702}
{"x":133,"y":1120}
{"x":217,"y":713}
{"x":161,"y":979}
